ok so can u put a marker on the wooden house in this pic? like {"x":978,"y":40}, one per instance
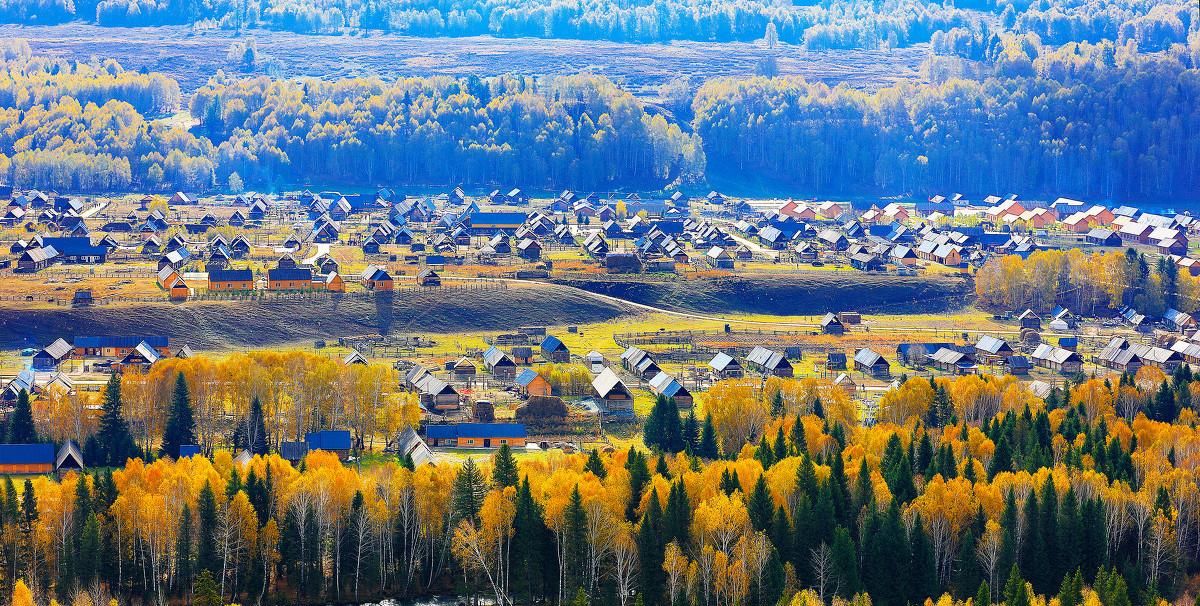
{"x":1057,"y":359}
{"x":768,"y":362}
{"x":1028,"y":319}
{"x":334,"y":282}
{"x":640,"y":363}
{"x":611,"y":392}
{"x":832,"y":325}
{"x":289,"y":279}
{"x":51,"y":356}
{"x":499,"y":364}
{"x":665,"y":385}
{"x":26,"y":459}
{"x":531,"y":383}
{"x":871,"y":363}
{"x":435,"y":394}
{"x":554,"y":350}
{"x":463,"y":369}
{"x":36,"y":259}
{"x":330,"y":440}
{"x":992,"y":349}
{"x":726,"y":366}
{"x":428,"y":277}
{"x":377,"y":279}
{"x":170,"y":281}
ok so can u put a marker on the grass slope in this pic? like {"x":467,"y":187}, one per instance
{"x":225,"y":325}
{"x":806,"y":293}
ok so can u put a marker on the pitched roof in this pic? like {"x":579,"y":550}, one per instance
{"x":58,"y":349}
{"x":766,"y":358}
{"x":992,"y":345}
{"x":868,"y":357}
{"x":607,"y":382}
{"x":723,"y":361}
{"x":454,"y":431}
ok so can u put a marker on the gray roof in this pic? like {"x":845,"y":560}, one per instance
{"x":723,"y":361}
{"x":992,"y":345}
{"x":58,"y":349}
{"x":766,"y":358}
{"x":665,"y":384}
{"x":868,"y":357}
{"x":607,"y":382}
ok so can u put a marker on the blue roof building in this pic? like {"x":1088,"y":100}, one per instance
{"x":476,"y":435}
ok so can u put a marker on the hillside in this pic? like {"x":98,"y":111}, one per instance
{"x":793,"y":294}
{"x":220,"y":325}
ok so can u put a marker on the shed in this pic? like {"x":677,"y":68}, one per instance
{"x":769,"y":362}
{"x":554,"y":350}
{"x":499,"y":364}
{"x":869,"y":362}
{"x":664,"y":384}
{"x":410,"y":445}
{"x":726,"y":366}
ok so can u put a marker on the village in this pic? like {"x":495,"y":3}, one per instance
{"x":570,"y":387}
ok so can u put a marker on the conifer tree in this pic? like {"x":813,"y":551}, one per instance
{"x":20,"y":429}
{"x":504,"y":468}
{"x":181,"y":426}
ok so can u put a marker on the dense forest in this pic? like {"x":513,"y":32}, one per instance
{"x":1087,"y":283}
{"x":1097,"y":120}
{"x":968,"y":490}
{"x":816,"y":24}
{"x":1088,"y":120}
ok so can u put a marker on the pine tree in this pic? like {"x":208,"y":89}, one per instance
{"x":181,"y":427}
{"x":760,"y":506}
{"x":708,"y":440}
{"x":922,"y":568}
{"x":651,"y":552}
{"x":845,"y":563}
{"x":115,"y":443}
{"x":251,"y":433}
{"x":183,"y":549}
{"x":691,"y":432}
{"x":677,"y":517}
{"x":983,"y":597}
{"x":575,"y":538}
{"x":206,"y":591}
{"x":20,"y":429}
{"x":206,"y":546}
{"x":467,"y":492}
{"x":799,"y":441}
{"x":504,"y":468}
{"x":781,"y":446}
{"x":1015,"y":593}
{"x":531,"y":542}
{"x":595,"y":465}
{"x":639,"y":476}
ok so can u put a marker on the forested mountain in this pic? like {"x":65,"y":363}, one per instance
{"x":816,"y":24}
{"x":1088,"y":120}
{"x":1097,"y":120}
